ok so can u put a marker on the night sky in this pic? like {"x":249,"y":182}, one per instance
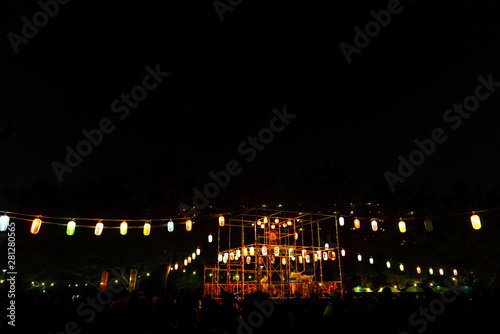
{"x":225,"y":78}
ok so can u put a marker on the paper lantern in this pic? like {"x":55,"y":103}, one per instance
{"x":401,"y":267}
{"x":291,"y":252}
{"x":284,"y":225}
{"x":249,"y":259}
{"x":193,"y":256}
{"x":238,"y":254}
{"x":265,"y":220}
{"x":441,"y":271}
{"x":371,"y":260}
{"x":360,"y":257}
{"x":431,"y":271}
{"x":341,"y":221}
{"x":231,"y":256}
{"x":476,"y":222}
{"x":176,"y":266}
{"x":315,"y":257}
{"x":276,"y":220}
{"x":300,"y":259}
{"x":189,"y":225}
{"x":283,"y":261}
{"x":4,"y":222}
{"x":263,"y":226}
{"x":260,"y":260}
{"x":170,"y":226}
{"x":245,"y":251}
{"x":303,"y":253}
{"x":123,"y":228}
{"x":325,"y":256}
{"x":331,"y":255}
{"x":220,"y":257}
{"x":276,"y":251}
{"x":308,"y":258}
{"x":296,"y":236}
{"x":289,"y":223}
{"x":147,"y":229}
{"x":224,"y":259}
{"x":189,"y":259}
{"x":185,"y":262}
{"x":402,"y":226}
{"x":357,"y":224}
{"x":198,"y":251}
{"x":98,"y":228}
{"x":221,"y":221}
{"x":35,"y":226}
{"x":342,"y":252}
{"x":419,"y":270}
{"x":455,"y":272}
{"x":210,"y":238}
{"x":272,"y":226}
{"x":70,"y":228}
{"x":252,"y":251}
{"x":264,"y":250}
{"x":388,"y":264}
{"x":428,"y":225}
{"x":374,"y":225}
{"x":327,"y":246}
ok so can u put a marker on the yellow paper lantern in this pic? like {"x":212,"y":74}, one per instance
{"x":265,"y":220}
{"x":401,"y":267}
{"x":98,"y":228}
{"x":221,"y":221}
{"x":35,"y":226}
{"x":283,"y":261}
{"x":388,"y":264}
{"x":402,"y":226}
{"x":70,"y":229}
{"x":428,"y":225}
{"x":476,"y":222}
{"x":276,"y":220}
{"x":252,"y":251}
{"x":441,"y":271}
{"x":374,"y":225}
{"x":357,"y":224}
{"x":123,"y":228}
{"x":300,"y":259}
{"x":245,"y":251}
{"x":289,"y":223}
{"x":147,"y":229}
{"x":431,"y":271}
{"x":189,"y":225}
{"x":276,"y":251}
{"x":185,"y":262}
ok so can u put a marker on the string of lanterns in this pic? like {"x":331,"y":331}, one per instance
{"x":402,"y":265}
{"x":374,"y":222}
{"x":71,"y":225}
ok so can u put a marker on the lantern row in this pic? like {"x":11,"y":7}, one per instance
{"x":99,"y":227}
{"x":71,"y":225}
{"x":475,"y":221}
{"x":402,"y":267}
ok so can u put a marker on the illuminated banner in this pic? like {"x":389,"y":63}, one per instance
{"x":104,"y":280}
{"x":133,"y":279}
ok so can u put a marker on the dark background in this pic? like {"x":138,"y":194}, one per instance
{"x":353,"y":120}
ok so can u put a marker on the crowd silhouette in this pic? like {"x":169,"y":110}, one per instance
{"x":190,"y":312}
